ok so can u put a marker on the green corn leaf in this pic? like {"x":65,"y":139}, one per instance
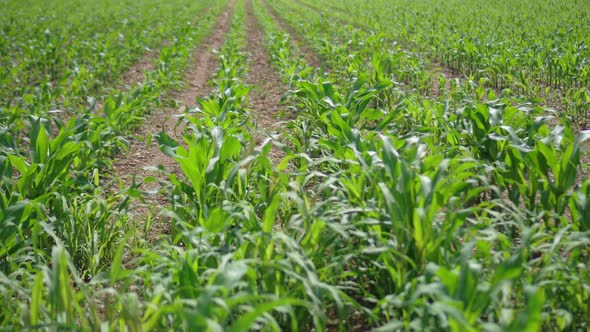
{"x":216,"y":221}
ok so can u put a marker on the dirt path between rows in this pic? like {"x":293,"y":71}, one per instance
{"x":310,"y":56}
{"x":146,"y":160}
{"x":136,"y":73}
{"x":268,"y":89}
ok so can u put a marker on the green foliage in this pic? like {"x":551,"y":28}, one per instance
{"x":392,"y":198}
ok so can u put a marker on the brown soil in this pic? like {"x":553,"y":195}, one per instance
{"x":136,"y":72}
{"x":146,"y":160}
{"x":437,"y":71}
{"x":147,"y":62}
{"x":268,"y":89}
{"x":204,"y":63}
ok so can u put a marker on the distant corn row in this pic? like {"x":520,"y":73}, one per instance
{"x":61,"y":53}
{"x":532,"y":48}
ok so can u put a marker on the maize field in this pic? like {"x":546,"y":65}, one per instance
{"x":295,"y":165}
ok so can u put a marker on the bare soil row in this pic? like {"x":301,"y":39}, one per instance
{"x":145,"y":160}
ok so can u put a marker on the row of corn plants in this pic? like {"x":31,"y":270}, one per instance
{"x":458,"y":215}
{"x":335,"y":42}
{"x":502,"y":44}
{"x":57,"y":55}
{"x":64,"y":218}
{"x":228,"y":265}
{"x":356,"y":48}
